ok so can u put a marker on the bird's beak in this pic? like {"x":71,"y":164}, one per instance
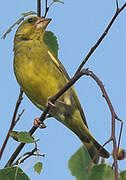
{"x":42,"y":23}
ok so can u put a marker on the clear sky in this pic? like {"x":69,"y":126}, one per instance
{"x":77,"y":25}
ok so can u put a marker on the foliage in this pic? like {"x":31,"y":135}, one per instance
{"x":51,"y":41}
{"x":81,"y":169}
{"x":23,"y":137}
{"x":13,"y":173}
{"x":38,"y":167}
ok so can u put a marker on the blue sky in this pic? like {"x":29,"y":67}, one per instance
{"x":77,"y":25}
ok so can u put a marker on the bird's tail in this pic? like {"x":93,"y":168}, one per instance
{"x":72,"y":119}
{"x":95,"y":149}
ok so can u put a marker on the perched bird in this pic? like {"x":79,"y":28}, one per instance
{"x":41,"y":75}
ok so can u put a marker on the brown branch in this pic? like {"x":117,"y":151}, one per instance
{"x":39,"y":8}
{"x":117,"y":4}
{"x":29,"y":154}
{"x":46,"y":4}
{"x":46,"y":8}
{"x":101,"y":37}
{"x":13,"y":122}
{"x":18,"y":149}
{"x":120,"y":133}
{"x":19,"y":116}
{"x":113,"y":115}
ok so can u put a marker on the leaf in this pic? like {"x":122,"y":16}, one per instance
{"x":13,"y":173}
{"x":78,"y":164}
{"x":58,"y":1}
{"x":102,"y":171}
{"x":51,"y":41}
{"x":38,"y":167}
{"x":17,"y":22}
{"x":123,"y":175}
{"x":23,"y":137}
{"x":28,"y":13}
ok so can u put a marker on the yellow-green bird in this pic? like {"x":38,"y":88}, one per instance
{"x":41,"y":75}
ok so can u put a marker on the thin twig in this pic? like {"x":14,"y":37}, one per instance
{"x":19,"y":116}
{"x":101,"y":37}
{"x":46,"y":8}
{"x":46,"y":4}
{"x":120,"y":133}
{"x":13,"y":122}
{"x":117,"y":4}
{"x":28,"y":154}
{"x":39,"y":8}
{"x":19,"y":148}
{"x":25,"y":156}
{"x":98,"y":152}
{"x":113,"y":115}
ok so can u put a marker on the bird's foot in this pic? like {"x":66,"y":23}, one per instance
{"x":51,"y":103}
{"x":39,"y":123}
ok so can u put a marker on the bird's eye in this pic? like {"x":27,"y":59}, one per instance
{"x":30,"y":20}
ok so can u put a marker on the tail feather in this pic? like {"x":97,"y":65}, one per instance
{"x":96,"y":150}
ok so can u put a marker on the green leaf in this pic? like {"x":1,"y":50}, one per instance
{"x":13,"y":173}
{"x":101,"y":171}
{"x":23,"y":137}
{"x":28,"y":13}
{"x":78,"y":164}
{"x":38,"y":167}
{"x":18,"y":22}
{"x":51,"y":41}
{"x":104,"y":172}
{"x":58,"y":1}
{"x":123,"y":175}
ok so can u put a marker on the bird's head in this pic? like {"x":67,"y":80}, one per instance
{"x":31,"y":28}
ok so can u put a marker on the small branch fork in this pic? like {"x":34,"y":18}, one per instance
{"x":34,"y":152}
{"x":46,"y":8}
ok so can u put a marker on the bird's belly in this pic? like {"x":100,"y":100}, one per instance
{"x":38,"y":79}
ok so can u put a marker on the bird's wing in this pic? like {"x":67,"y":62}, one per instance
{"x":66,"y":76}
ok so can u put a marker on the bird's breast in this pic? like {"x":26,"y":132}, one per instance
{"x":36,"y":74}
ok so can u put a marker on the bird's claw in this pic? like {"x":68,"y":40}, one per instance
{"x":39,"y":123}
{"x":51,"y":103}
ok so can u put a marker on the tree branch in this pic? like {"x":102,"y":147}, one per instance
{"x":39,"y":8}
{"x":101,"y":37}
{"x":13,"y":122}
{"x":117,"y":4}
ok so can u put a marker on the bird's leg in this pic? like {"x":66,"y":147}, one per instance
{"x":51,"y":103}
{"x":39,"y":123}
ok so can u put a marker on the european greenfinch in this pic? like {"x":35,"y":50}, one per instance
{"x":41,"y":75}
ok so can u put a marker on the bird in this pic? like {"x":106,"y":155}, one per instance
{"x":41,"y":75}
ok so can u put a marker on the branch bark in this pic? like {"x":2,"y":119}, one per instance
{"x":13,"y":122}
